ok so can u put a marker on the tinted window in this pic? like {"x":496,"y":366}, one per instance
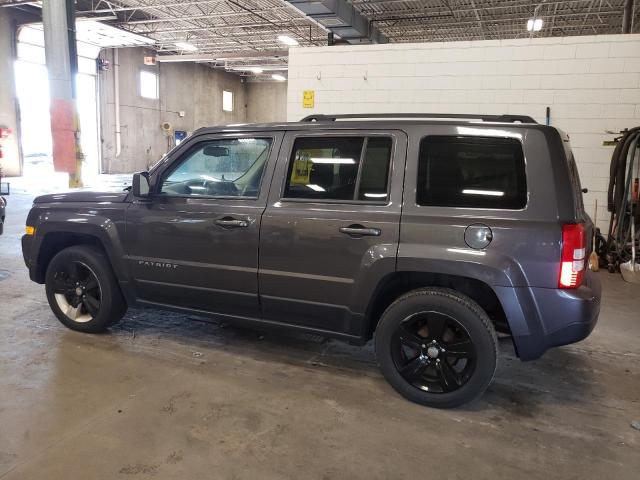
{"x":375,"y":169}
{"x":334,"y":168}
{"x":229,"y":167}
{"x":481,"y":172}
{"x":574,"y":177}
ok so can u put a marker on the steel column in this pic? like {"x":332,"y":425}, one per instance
{"x":62,"y":65}
{"x":627,"y":16}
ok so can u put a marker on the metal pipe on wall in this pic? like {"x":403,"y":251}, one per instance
{"x":116,"y":99}
{"x":627,"y":16}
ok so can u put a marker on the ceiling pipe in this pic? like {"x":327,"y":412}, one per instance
{"x":627,"y":16}
{"x":222,"y":56}
{"x":116,"y":100}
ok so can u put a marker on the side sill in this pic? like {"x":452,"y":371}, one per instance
{"x":257,"y":323}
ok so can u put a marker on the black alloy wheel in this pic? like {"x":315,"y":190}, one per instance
{"x":77,"y":291}
{"x":437,"y":347}
{"x":82,"y":289}
{"x":434,"y":352}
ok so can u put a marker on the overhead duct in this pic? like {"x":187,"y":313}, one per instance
{"x":342,"y":19}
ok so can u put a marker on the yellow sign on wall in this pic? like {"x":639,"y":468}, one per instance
{"x":308,"y":97}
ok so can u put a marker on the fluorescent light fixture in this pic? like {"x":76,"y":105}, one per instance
{"x":375,"y":195}
{"x":534,"y":24}
{"x":186,"y":46}
{"x":489,"y":193}
{"x":256,"y":70}
{"x":333,"y":161}
{"x":278,"y":77}
{"x":247,"y":140}
{"x":316,"y":188}
{"x":287,"y":40}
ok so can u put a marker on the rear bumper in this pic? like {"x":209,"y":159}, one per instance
{"x":541,"y":318}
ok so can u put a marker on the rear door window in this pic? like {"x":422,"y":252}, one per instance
{"x":340,"y":168}
{"x":475,"y":172}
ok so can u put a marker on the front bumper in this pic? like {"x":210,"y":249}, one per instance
{"x":29,"y":261}
{"x":541,"y":318}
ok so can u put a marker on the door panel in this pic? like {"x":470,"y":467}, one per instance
{"x":198,"y":252}
{"x":312,"y":273}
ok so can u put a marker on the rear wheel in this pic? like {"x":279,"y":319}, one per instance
{"x":437,"y":347}
{"x":82,"y":290}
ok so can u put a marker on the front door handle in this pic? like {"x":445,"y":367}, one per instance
{"x":231,"y":223}
{"x":359,"y":230}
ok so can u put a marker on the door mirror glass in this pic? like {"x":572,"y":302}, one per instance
{"x":140,"y":185}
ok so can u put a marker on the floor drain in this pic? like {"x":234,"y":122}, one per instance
{"x":4,"y":274}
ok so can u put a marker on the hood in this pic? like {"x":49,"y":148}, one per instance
{"x":83,"y":196}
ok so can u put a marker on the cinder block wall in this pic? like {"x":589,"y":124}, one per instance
{"x":266,"y":102}
{"x":591,"y":84}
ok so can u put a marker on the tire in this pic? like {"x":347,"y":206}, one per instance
{"x":82,"y":290}
{"x":437,"y":347}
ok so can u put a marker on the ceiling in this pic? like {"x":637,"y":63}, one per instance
{"x":236,"y":34}
{"x":449,"y":20}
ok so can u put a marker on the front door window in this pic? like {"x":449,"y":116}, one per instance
{"x":220,"y":168}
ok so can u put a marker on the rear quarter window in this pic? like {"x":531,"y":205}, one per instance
{"x":475,"y":172}
{"x":574,"y":177}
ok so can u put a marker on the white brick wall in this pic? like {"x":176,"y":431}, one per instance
{"x":591,"y":83}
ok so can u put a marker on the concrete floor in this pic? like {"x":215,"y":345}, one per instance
{"x":171,"y":396}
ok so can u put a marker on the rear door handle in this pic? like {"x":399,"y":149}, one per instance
{"x":231,"y":223}
{"x":359,"y":230}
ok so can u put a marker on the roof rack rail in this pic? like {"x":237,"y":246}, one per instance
{"x":484,"y":118}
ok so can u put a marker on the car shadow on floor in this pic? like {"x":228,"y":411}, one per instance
{"x":519,"y":388}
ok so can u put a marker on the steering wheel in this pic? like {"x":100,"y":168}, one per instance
{"x":220,"y":188}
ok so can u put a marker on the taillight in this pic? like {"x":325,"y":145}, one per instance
{"x":572,"y":262}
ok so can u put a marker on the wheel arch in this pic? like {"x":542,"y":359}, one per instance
{"x":398,"y":283}
{"x":56,"y":238}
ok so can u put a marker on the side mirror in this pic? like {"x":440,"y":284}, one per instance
{"x":140,"y":185}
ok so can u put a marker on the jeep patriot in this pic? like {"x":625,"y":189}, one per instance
{"x":427,"y":233}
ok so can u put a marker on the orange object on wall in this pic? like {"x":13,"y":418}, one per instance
{"x":63,"y":135}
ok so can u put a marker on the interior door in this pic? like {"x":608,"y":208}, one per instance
{"x":330,"y":231}
{"x":194,"y":242}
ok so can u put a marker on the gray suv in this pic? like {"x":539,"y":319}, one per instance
{"x":428,"y":233}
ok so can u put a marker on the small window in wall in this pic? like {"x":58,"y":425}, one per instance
{"x":476,"y":172}
{"x":148,"y":84}
{"x":227,"y":101}
{"x":333,"y":168}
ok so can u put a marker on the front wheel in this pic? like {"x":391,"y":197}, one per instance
{"x":437,"y":347}
{"x":82,"y":290}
